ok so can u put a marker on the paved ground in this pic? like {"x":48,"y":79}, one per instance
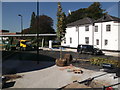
{"x":53,"y":77}
{"x":46,"y":74}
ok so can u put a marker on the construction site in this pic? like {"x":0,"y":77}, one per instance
{"x":21,"y":69}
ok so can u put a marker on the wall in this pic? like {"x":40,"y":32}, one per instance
{"x":71,"y":32}
{"x":83,"y":34}
{"x":111,"y":36}
{"x":118,"y":36}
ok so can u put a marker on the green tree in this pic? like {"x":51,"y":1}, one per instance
{"x":26,"y":31}
{"x":45,"y":24}
{"x":33,"y":20}
{"x":94,"y":11}
{"x":76,"y":15}
{"x":61,"y":25}
{"x":33,"y":25}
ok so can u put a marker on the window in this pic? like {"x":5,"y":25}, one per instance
{"x":97,"y":41}
{"x":96,"y":28}
{"x":70,"y":40}
{"x":87,"y":40}
{"x":106,"y":42}
{"x":86,"y":28}
{"x":108,"y":27}
{"x":64,"y":40}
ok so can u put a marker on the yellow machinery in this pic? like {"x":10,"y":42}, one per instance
{"x":23,"y":43}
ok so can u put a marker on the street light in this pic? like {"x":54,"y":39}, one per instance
{"x":21,"y":22}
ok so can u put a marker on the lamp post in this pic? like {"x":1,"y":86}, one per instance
{"x":21,"y":22}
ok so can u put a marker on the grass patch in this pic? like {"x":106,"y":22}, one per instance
{"x":99,"y":61}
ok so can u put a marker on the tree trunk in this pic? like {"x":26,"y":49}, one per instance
{"x":60,"y":52}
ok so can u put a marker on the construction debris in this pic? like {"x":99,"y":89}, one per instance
{"x":72,"y":68}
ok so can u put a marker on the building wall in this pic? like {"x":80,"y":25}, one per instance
{"x":83,"y":34}
{"x":73,"y":34}
{"x":113,"y":36}
{"x":118,"y":36}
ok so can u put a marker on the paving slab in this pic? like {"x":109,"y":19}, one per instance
{"x":53,"y":77}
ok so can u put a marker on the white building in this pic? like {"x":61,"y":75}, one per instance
{"x":104,"y":33}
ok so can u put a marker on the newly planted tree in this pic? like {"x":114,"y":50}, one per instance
{"x":61,"y":25}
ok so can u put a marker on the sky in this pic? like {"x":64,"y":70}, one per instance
{"x":12,"y":22}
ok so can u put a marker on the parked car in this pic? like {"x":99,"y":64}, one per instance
{"x":89,"y":49}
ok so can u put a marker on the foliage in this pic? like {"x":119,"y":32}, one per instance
{"x":61,"y":23}
{"x":33,"y":20}
{"x":45,"y":25}
{"x":99,"y":61}
{"x":93,"y":11}
{"x":26,"y":31}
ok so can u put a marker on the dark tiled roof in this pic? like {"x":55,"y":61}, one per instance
{"x":82,"y":22}
{"x":107,"y":18}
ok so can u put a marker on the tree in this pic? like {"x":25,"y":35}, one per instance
{"x":45,"y":24}
{"x":33,"y":20}
{"x":76,"y":15}
{"x":61,"y":25}
{"x":26,"y":31}
{"x":93,"y":11}
{"x":33,"y":23}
